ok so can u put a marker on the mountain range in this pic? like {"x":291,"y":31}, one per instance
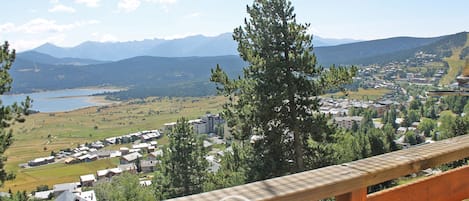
{"x":197,"y":45}
{"x":187,"y":71}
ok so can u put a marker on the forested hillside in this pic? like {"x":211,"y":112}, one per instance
{"x":138,"y":72}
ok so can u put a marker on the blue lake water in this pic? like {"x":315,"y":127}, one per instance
{"x":59,"y":100}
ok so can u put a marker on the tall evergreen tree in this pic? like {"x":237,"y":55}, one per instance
{"x":8,"y":114}
{"x":390,"y":116}
{"x":184,"y":168}
{"x":277,"y":98}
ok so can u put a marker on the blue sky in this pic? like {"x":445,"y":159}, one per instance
{"x":29,"y":23}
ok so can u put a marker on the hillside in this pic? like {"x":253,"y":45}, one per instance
{"x":363,"y":51}
{"x":38,"y":57}
{"x":457,"y":59}
{"x":136,"y":72}
{"x":440,"y":46}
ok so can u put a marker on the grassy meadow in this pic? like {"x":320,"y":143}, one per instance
{"x":361,"y":94}
{"x":28,"y":179}
{"x":46,"y":132}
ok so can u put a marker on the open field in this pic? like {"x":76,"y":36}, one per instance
{"x":44,"y":132}
{"x":361,"y":94}
{"x":28,"y":179}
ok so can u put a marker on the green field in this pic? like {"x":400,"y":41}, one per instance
{"x":361,"y":94}
{"x":44,"y":132}
{"x":28,"y":179}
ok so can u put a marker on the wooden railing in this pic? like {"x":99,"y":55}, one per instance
{"x":349,"y":181}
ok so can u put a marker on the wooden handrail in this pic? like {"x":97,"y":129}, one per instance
{"x":450,"y":185}
{"x":347,"y":181}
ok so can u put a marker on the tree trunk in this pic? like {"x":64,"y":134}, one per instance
{"x":297,"y":145}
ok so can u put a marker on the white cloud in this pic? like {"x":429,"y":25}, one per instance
{"x":40,"y":25}
{"x":164,"y":4}
{"x":163,"y":1}
{"x":7,"y":27}
{"x":61,"y":8}
{"x":104,"y":37}
{"x":313,"y":31}
{"x":193,"y":15}
{"x":27,"y":44}
{"x":89,"y":3}
{"x":128,"y":5}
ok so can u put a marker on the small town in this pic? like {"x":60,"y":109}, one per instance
{"x":142,"y":157}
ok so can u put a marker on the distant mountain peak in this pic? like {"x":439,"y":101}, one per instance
{"x":47,"y":45}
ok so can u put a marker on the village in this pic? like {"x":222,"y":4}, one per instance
{"x":142,"y":156}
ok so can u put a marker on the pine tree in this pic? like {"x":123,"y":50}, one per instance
{"x":390,"y":116}
{"x":277,"y":97}
{"x":8,"y":114}
{"x":184,"y":168}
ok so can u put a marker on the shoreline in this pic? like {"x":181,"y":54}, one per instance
{"x":101,"y":100}
{"x":111,"y":88}
{"x":96,"y":101}
{"x":66,"y":99}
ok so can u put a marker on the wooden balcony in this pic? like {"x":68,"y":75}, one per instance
{"x":349,"y":181}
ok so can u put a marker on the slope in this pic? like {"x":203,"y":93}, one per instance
{"x":456,"y":62}
{"x":137,"y":72}
{"x":38,"y":57}
{"x":441,"y":47}
{"x":362,"y":51}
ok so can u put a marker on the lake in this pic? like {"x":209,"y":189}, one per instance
{"x":58,"y":100}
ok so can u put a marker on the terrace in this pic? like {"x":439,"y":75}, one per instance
{"x":349,"y":181}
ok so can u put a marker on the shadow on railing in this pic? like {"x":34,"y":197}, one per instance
{"x":349,"y":181}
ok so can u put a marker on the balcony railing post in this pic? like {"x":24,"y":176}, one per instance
{"x":357,"y":195}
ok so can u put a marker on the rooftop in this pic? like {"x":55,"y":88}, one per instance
{"x":66,"y":186}
{"x":132,"y":156}
{"x":88,"y":177}
{"x":102,"y":173}
{"x":43,"y":194}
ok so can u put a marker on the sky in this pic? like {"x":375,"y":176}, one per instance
{"x":27,"y":24}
